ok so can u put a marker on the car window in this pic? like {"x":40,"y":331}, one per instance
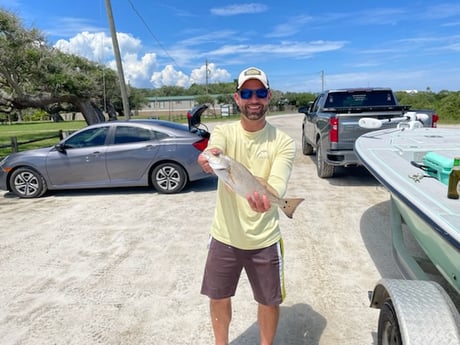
{"x":160,"y":135}
{"x":127,"y":134}
{"x":87,"y":138}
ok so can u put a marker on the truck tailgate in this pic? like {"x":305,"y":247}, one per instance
{"x":349,"y":129}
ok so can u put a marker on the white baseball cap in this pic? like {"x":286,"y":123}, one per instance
{"x":253,"y":73}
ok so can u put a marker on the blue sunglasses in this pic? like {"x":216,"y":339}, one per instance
{"x":247,"y":93}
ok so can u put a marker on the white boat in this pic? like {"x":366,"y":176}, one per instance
{"x":417,"y":310}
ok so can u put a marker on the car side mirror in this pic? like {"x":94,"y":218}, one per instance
{"x":60,"y":148}
{"x":304,"y":110}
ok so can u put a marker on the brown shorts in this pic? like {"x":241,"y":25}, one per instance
{"x":264,"y":268}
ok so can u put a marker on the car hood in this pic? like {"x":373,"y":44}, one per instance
{"x":42,"y":152}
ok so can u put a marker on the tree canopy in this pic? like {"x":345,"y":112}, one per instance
{"x":34,"y":75}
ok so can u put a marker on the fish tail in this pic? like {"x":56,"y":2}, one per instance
{"x":289,"y":206}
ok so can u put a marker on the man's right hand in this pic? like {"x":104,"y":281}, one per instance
{"x":203,"y":162}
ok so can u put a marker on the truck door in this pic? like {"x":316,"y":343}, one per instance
{"x":312,"y":118}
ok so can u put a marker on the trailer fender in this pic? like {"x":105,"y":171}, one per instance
{"x":425,"y":312}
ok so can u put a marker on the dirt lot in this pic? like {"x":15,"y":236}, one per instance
{"x":124,"y":266}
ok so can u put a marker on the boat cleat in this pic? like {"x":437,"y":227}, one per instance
{"x":419,"y":176}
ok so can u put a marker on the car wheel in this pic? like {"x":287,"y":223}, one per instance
{"x":324,"y":170}
{"x":168,"y":178}
{"x":307,"y":149}
{"x":388,"y":327}
{"x":27,"y":183}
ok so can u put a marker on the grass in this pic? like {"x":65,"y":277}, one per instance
{"x":27,"y":131}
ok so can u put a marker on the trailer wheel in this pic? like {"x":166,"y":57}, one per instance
{"x":388,"y":328}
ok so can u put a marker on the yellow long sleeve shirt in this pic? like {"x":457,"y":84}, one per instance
{"x":269,"y":154}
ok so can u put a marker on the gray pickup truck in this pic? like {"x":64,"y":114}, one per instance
{"x":331,"y":123}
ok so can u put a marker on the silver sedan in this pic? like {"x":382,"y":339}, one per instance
{"x":154,"y":153}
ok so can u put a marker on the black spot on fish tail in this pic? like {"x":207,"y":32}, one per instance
{"x":289,"y":206}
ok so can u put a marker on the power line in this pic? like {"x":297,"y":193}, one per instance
{"x":151,"y":33}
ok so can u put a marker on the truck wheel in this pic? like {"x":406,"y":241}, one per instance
{"x":324,"y":170}
{"x":307,"y":149}
{"x":388,"y":328}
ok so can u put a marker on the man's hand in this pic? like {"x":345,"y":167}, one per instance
{"x":203,"y":162}
{"x":258,"y":203}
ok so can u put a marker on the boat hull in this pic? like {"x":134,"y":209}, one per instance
{"x":422,"y":203}
{"x":441,"y":253}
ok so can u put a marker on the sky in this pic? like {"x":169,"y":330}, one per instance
{"x":303,"y":46}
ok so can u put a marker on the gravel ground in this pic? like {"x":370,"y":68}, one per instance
{"x":124,"y":266}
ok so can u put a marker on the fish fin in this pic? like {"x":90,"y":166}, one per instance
{"x":228,"y":187}
{"x":289,"y":206}
{"x":266,"y":185}
{"x":231,"y":181}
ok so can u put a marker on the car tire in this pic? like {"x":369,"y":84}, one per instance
{"x":324,"y":170}
{"x":388,"y":326}
{"x":27,"y":183}
{"x":307,"y":149}
{"x":168,"y":178}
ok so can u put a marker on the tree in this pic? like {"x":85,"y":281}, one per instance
{"x":34,"y":75}
{"x":449,"y":106}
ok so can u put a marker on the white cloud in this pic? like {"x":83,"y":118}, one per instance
{"x":137,"y":71}
{"x":98,"y":47}
{"x":147,"y":69}
{"x":283,"y":49}
{"x":169,"y":76}
{"x":290,"y":28}
{"x":233,"y":10}
{"x":93,"y":46}
{"x":215,"y":75}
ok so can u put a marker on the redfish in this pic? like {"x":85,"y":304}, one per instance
{"x":241,"y":181}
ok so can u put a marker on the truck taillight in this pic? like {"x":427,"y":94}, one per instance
{"x":434,"y":120}
{"x":334,"y":131}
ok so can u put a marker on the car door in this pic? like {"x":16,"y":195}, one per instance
{"x":131,"y":153}
{"x":81,"y":160}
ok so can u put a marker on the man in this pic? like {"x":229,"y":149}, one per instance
{"x":245,"y":232}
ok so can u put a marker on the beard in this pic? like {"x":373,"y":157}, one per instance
{"x":252,"y":113}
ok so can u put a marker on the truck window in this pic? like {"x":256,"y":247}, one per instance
{"x":360,"y":99}
{"x":315,"y":106}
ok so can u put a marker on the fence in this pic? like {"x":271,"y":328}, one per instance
{"x":14,"y":143}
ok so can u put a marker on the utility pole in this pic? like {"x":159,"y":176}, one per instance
{"x":322,"y":81}
{"x":207,"y":75}
{"x":116,"y":51}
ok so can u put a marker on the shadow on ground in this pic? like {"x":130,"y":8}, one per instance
{"x":298,"y":325}
{"x":204,"y":185}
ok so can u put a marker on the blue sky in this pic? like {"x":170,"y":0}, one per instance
{"x":405,"y":45}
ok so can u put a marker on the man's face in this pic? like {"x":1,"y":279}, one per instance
{"x":253,"y":108}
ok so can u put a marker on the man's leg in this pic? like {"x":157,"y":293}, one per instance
{"x":221,"y":315}
{"x":268,"y":321}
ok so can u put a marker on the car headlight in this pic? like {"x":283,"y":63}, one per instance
{"x":3,"y":161}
